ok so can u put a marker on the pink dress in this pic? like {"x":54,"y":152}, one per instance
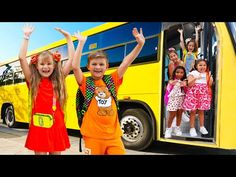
{"x":198,"y":96}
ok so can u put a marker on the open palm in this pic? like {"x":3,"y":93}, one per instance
{"x":65,"y":33}
{"x":79,"y":36}
{"x":139,"y":35}
{"x":28,"y":29}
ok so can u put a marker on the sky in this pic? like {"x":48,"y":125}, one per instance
{"x":11,"y":35}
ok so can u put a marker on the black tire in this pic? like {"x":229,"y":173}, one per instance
{"x":9,"y":117}
{"x":137,"y":129}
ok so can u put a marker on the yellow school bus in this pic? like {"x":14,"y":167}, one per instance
{"x":141,"y":96}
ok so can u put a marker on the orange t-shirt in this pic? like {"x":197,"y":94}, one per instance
{"x":101,"y":119}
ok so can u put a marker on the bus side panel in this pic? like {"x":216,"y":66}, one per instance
{"x":16,"y":95}
{"x":70,"y":113}
{"x":149,"y":92}
{"x":227,"y":87}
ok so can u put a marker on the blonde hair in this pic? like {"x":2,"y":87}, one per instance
{"x":57,"y":77}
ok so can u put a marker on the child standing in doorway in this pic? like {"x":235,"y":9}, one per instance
{"x":45,"y":79}
{"x":100,"y":128}
{"x":199,"y":94}
{"x":190,"y":51}
{"x":174,"y":98}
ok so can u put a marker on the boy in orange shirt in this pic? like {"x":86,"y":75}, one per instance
{"x":101,"y":129}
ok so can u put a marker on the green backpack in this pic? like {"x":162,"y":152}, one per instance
{"x":82,"y":103}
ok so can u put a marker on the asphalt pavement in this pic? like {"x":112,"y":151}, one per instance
{"x":12,"y":141}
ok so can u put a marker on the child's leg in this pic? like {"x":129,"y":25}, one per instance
{"x":115,"y":147}
{"x":172,"y":115}
{"x":55,"y":153}
{"x":192,"y":118}
{"x":203,"y":130}
{"x":201,"y":117}
{"x":40,"y":153}
{"x":94,"y":146}
{"x":179,"y":117}
{"x":192,"y":130}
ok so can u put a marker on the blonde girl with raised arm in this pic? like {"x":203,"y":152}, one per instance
{"x":45,"y":78}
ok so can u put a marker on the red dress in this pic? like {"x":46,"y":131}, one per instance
{"x":47,"y":139}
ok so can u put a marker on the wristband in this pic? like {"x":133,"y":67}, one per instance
{"x":26,"y":37}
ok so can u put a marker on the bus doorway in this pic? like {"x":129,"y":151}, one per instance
{"x":207,"y":50}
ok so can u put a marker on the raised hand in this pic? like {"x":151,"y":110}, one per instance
{"x":27,"y":30}
{"x":65,"y":33}
{"x":197,"y":28}
{"x":79,"y":36}
{"x":180,"y":31}
{"x":139,"y":36}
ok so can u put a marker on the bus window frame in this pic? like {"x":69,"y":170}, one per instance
{"x":125,"y":45}
{"x":232,"y":32}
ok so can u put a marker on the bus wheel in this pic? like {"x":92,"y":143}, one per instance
{"x":137,"y":129}
{"x":9,"y":117}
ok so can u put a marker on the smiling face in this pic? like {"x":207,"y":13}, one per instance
{"x":97,"y":67}
{"x":191,"y":46}
{"x":201,"y":66}
{"x":173,"y":57}
{"x":179,"y":74}
{"x":45,"y":65}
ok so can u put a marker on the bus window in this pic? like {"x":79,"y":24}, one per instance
{"x":149,"y":51}
{"x":19,"y":77}
{"x":115,"y":55}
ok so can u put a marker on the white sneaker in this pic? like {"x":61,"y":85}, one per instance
{"x":177,"y":131}
{"x":193,"y":132}
{"x":168,"y":132}
{"x":203,"y":130}
{"x":185,"y":118}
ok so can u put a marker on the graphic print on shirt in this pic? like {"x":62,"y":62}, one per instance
{"x":103,"y":97}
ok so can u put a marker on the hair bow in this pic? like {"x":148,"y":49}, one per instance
{"x":171,"y":49}
{"x":34,"y":59}
{"x":56,"y":56}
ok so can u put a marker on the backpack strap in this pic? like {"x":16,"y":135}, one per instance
{"x":111,"y":87}
{"x":82,"y":103}
{"x":79,"y":101}
{"x":90,"y":88}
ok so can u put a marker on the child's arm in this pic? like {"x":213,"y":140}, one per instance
{"x":71,"y":50}
{"x":27,"y":30}
{"x":171,"y":68}
{"x":133,"y":54}
{"x":197,"y":28}
{"x":181,"y":37}
{"x":77,"y":57}
{"x":192,"y":79}
{"x":172,"y":82}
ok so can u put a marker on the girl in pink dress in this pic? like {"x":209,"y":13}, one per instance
{"x":198,"y":96}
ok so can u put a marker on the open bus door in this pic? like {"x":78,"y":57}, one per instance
{"x":207,"y":50}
